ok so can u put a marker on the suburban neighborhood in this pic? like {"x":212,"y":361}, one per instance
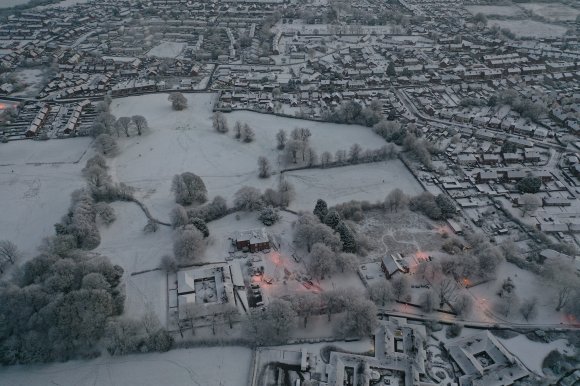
{"x":290,"y":192}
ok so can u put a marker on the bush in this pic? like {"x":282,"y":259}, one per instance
{"x":269,"y":216}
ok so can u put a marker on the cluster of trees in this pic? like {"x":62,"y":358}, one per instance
{"x":525,"y":107}
{"x":356,"y":154}
{"x":79,"y":226}
{"x":326,"y":227}
{"x":297,"y":149}
{"x":244,"y":132}
{"x":57,"y":305}
{"x":250,"y":199}
{"x":125,"y":335}
{"x":529,"y":184}
{"x":354,"y":112}
{"x":189,"y":245}
{"x":128,"y":125}
{"x":435,"y":207}
{"x":178,"y":101}
{"x":188,"y":188}
{"x":273,"y":324}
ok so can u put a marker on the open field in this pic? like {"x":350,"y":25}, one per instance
{"x":215,"y":366}
{"x":552,"y":11}
{"x":530,"y":28}
{"x":167,"y":50}
{"x":369,"y":182}
{"x":36,"y":180}
{"x":12,"y":3}
{"x":182,"y":141}
{"x":495,"y":10}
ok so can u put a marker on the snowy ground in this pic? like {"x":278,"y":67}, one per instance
{"x":369,"y":182}
{"x":495,"y":10}
{"x":215,"y":366}
{"x":12,"y":3}
{"x":527,"y":285}
{"x":530,"y":28}
{"x":36,"y":180}
{"x":532,"y":353}
{"x":552,"y":11}
{"x":185,"y":141}
{"x":167,"y":50}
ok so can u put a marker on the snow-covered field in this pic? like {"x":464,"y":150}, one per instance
{"x":12,"y":3}
{"x":208,"y":366}
{"x":495,"y":10}
{"x":552,"y":11}
{"x":36,"y":180}
{"x":167,"y":50}
{"x":532,"y":353}
{"x":526,"y":287}
{"x":530,"y":28}
{"x":369,"y":182}
{"x":185,"y":141}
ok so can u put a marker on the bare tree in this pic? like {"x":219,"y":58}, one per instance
{"x":248,"y":134}
{"x":446,"y":289}
{"x":238,"y":130}
{"x":124,"y":123}
{"x":561,"y":275}
{"x":325,"y":159}
{"x":400,"y":286}
{"x":140,"y":124}
{"x":188,"y":245}
{"x":106,"y":145}
{"x":219,"y":123}
{"x":529,"y":309}
{"x":340,"y":157}
{"x":264,"y":169}
{"x":248,"y":198}
{"x":9,"y":251}
{"x":281,"y":139}
{"x":188,"y":189}
{"x":178,"y":101}
{"x":305,"y":304}
{"x":382,"y":293}
{"x":178,"y":217}
{"x":396,"y":200}
{"x":322,"y":261}
{"x":428,"y":300}
{"x":530,"y":203}
{"x":463,"y":305}
{"x":286,"y":192}
{"x":354,"y":153}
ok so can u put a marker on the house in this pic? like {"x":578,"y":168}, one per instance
{"x":391,"y":264}
{"x":253,"y":240}
{"x":483,"y":177}
{"x":483,"y":360}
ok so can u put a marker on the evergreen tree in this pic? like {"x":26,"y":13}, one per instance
{"x":200,"y":225}
{"x":321,"y":209}
{"x":332,"y":219}
{"x":347,"y":238}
